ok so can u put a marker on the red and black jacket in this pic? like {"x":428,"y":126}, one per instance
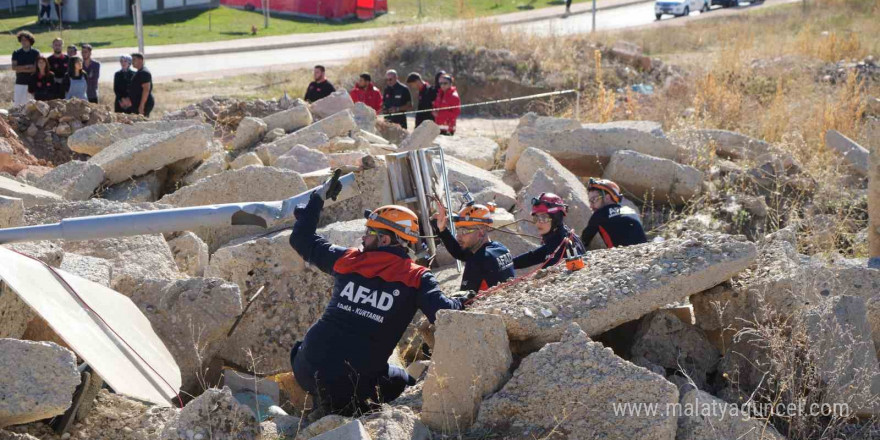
{"x":42,"y":86}
{"x":617,"y":225}
{"x":375,"y":296}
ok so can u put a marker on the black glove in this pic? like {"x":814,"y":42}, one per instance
{"x":332,"y":185}
{"x":299,"y":210}
{"x":464,"y":297}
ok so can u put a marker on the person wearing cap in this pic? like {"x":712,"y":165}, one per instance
{"x":618,"y":225}
{"x":93,"y":70}
{"x":548,"y":212}
{"x":396,"y":99}
{"x":447,"y":103}
{"x":343,"y":359}
{"x":364,"y":91}
{"x":121,"y":81}
{"x":24,"y":64}
{"x":59,"y":64}
{"x":487,"y":263}
{"x":427,"y":95}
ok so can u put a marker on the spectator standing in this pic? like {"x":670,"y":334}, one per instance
{"x":59,"y":6}
{"x":140,"y":91}
{"x":45,"y":9}
{"x":364,"y":91}
{"x":24,"y":63}
{"x":59,"y":64}
{"x":42,"y":84}
{"x":397,"y":99}
{"x":93,"y":71}
{"x":121,"y":81}
{"x":320,"y":87}
{"x":76,"y":84}
{"x":427,"y":95}
{"x":447,"y":96}
{"x":71,"y":51}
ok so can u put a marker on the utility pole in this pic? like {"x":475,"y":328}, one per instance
{"x":139,"y":24}
{"x":266,"y":14}
{"x":593,"y":29}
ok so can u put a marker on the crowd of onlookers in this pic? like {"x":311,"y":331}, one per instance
{"x":438,"y":102}
{"x":67,"y":76}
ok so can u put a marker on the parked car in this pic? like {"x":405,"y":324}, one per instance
{"x":733,"y":3}
{"x":680,"y":8}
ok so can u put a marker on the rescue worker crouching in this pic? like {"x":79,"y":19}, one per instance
{"x":343,"y":359}
{"x":487,"y":263}
{"x":618,"y":225}
{"x":548,"y":212}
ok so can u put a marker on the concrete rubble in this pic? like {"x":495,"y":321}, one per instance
{"x":651,"y":178}
{"x":269,"y":153}
{"x":479,"y":151}
{"x":250,"y":131}
{"x":855,"y":155}
{"x":30,"y":195}
{"x":146,"y":188}
{"x":246,"y":160}
{"x":74,"y":180}
{"x":483,"y":185}
{"x":303,"y":160}
{"x":564,"y":388}
{"x":565,"y":185}
{"x":11,"y":212}
{"x":215,"y":414}
{"x":190,"y":253}
{"x":664,"y":339}
{"x":701,"y":424}
{"x":93,"y":139}
{"x":421,"y":137}
{"x":334,"y":103}
{"x":37,"y":389}
{"x":289,"y":120}
{"x":697,"y":144}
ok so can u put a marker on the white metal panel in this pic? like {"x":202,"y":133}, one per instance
{"x":110,"y":8}
{"x":148,"y":5}
{"x":173,"y":4}
{"x":86,"y":334}
{"x":197,"y":2}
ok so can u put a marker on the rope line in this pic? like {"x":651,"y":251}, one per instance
{"x":477,"y":104}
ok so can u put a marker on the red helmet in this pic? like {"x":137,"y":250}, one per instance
{"x":548,"y":203}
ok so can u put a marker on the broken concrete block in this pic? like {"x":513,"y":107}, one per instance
{"x":303,"y":160}
{"x":139,"y":155}
{"x":547,"y":123}
{"x":336,"y":125}
{"x":289,"y":120}
{"x":630,"y":54}
{"x":618,"y":285}
{"x":662,"y":338}
{"x":30,"y":195}
{"x":652,"y":178}
{"x":372,"y":181}
{"x":365,"y":117}
{"x":705,"y":421}
{"x":478,"y":151}
{"x":11,"y":212}
{"x":37,"y":380}
{"x":269,"y":153}
{"x":215,"y":414}
{"x":331,"y":104}
{"x":93,"y":269}
{"x":840,"y":339}
{"x":854,"y":154}
{"x":372,"y":138}
{"x":395,"y":423}
{"x":74,"y":180}
{"x":471,"y":360}
{"x":246,"y":160}
{"x":874,"y":207}
{"x":191,"y":316}
{"x":566,"y":185}
{"x":146,"y":188}
{"x":249,"y":184}
{"x":339,"y":144}
{"x":421,"y":137}
{"x":322,"y":425}
{"x":353,"y":430}
{"x":483,"y":185}
{"x":92,"y":139}
{"x":215,"y":164}
{"x":573,"y":387}
{"x":351,"y":159}
{"x":293,"y":300}
{"x":6,"y":435}
{"x":697,"y":143}
{"x":190,"y":253}
{"x":250,"y":130}
{"x":273,"y":135}
{"x":14,"y":314}
{"x":586,"y":150}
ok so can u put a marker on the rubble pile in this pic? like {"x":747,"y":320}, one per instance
{"x":550,"y":355}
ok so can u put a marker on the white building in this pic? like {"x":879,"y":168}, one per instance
{"x":87,"y":10}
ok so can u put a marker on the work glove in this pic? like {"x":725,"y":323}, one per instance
{"x":299,"y":211}
{"x":464,"y":297}
{"x":332,"y":187}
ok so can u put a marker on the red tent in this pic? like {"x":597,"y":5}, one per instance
{"x":330,"y":9}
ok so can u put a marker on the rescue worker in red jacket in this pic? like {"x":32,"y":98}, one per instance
{"x":447,"y":96}
{"x":364,"y":91}
{"x":343,"y":359}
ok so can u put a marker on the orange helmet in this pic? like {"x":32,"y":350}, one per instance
{"x":606,"y":186}
{"x":398,"y":219}
{"x":473,"y":215}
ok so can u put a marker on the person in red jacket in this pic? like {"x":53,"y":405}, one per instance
{"x":447,"y":96}
{"x":364,"y":91}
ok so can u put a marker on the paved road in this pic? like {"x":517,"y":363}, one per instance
{"x":220,"y":65}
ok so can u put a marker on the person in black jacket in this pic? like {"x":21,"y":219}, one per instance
{"x":121,"y":81}
{"x":343,"y":359}
{"x":42,"y":84}
{"x":548,"y":211}
{"x":618,"y":225}
{"x":487,"y":263}
{"x":427,"y":95}
{"x":320,"y":87}
{"x":140,"y":90}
